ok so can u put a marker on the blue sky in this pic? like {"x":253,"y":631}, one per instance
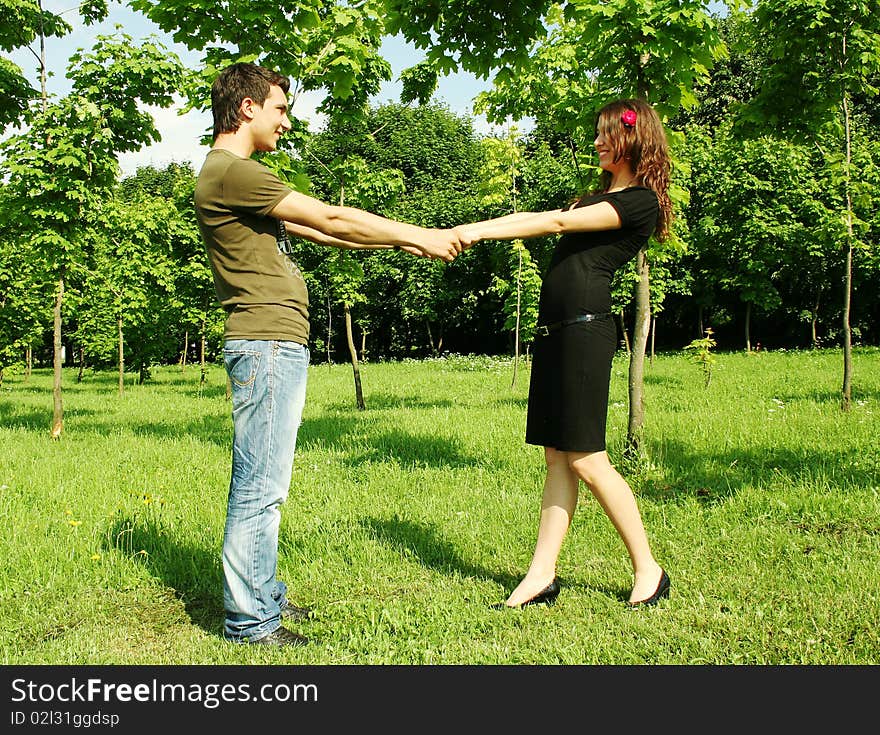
{"x":181,"y":133}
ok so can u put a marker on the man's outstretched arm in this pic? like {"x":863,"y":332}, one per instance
{"x":359,"y":226}
{"x":321,"y":238}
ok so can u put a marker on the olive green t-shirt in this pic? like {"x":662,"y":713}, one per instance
{"x":255,"y":277}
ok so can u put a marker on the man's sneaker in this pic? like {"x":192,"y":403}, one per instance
{"x":294,"y":613}
{"x":281,"y":637}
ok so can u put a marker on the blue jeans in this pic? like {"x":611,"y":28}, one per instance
{"x":268,"y":393}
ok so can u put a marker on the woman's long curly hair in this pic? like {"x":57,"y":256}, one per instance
{"x":645,"y":145}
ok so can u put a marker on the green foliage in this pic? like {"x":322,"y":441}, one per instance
{"x":702,"y":354}
{"x":502,"y":160}
{"x":470,"y":34}
{"x":734,"y":79}
{"x":331,"y":45}
{"x":760,"y":217}
{"x":16,"y":91}
{"x":518,"y":280}
{"x":23,"y":293}
{"x":656,"y":49}
{"x":419,"y":83}
{"x":518,"y":283}
{"x":414,"y":164}
{"x":24,"y":22}
{"x":118,"y":76}
{"x":820,"y":51}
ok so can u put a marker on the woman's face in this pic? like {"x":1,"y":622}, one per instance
{"x":606,"y":155}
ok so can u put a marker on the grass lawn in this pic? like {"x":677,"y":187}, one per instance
{"x":406,"y":522}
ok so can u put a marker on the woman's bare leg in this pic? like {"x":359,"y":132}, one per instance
{"x":557,"y":508}
{"x":616,"y":498}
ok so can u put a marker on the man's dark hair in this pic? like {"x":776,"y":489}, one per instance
{"x":235,"y":83}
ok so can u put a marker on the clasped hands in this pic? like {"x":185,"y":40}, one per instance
{"x":444,"y":244}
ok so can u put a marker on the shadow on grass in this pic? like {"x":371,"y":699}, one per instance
{"x":522,"y":403}
{"x":359,"y":444}
{"x":829,"y":397}
{"x":325,"y":430}
{"x":391,"y":401}
{"x":418,"y":450}
{"x":207,"y":429}
{"x":431,"y":549}
{"x":426,"y":544}
{"x":714,"y":477}
{"x":192,"y":572}
{"x":13,"y":416}
{"x":211,"y":429}
{"x":669,"y":380}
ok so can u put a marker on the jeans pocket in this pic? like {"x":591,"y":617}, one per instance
{"x":242,"y":366}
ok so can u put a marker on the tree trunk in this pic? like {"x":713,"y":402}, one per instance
{"x":185,"y":351}
{"x":700,"y":330}
{"x":121,"y":343}
{"x":329,"y":330}
{"x":29,"y":362}
{"x":814,"y":318}
{"x":58,"y":406}
{"x":624,"y":332}
{"x":82,"y":364}
{"x":518,"y":307}
{"x":637,"y":358}
{"x":430,"y":338}
{"x":359,"y":394}
{"x":846,"y":397}
{"x":653,"y":336}
{"x":203,"y":371}
{"x":748,"y":326}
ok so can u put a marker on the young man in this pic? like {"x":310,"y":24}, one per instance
{"x":245,"y":214}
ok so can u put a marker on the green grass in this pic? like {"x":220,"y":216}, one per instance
{"x":407,"y":521}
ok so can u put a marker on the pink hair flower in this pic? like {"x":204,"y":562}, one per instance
{"x":629,"y":118}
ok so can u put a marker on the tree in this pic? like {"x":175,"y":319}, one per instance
{"x":410,"y":304}
{"x":188,"y":307}
{"x":22,"y":295}
{"x":26,"y":22}
{"x":129,"y":270}
{"x":62,"y":167}
{"x":826,"y":52}
{"x":758,"y":214}
{"x":503,"y":158}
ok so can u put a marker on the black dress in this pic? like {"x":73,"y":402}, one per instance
{"x":571,"y":367}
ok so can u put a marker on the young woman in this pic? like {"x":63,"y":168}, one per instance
{"x":571,"y":367}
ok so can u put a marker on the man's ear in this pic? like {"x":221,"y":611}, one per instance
{"x":246,"y":108}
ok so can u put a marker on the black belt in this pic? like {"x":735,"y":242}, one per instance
{"x":544,"y":330}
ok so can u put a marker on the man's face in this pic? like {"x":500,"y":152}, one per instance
{"x":269,"y":121}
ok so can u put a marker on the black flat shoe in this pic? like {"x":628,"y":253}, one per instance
{"x":546,"y":596}
{"x":661,"y":592}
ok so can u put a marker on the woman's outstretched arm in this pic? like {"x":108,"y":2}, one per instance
{"x":525,"y":225}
